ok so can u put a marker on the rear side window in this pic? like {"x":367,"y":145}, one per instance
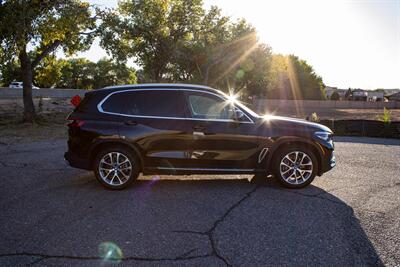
{"x":157,"y":103}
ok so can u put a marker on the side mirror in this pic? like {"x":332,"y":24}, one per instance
{"x":239,"y":115}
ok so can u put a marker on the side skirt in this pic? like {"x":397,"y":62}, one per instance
{"x":188,"y":171}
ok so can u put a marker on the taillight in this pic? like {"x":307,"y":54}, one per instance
{"x":76,"y":123}
{"x":76,"y":100}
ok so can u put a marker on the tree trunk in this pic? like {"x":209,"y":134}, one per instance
{"x":26,"y":73}
{"x":206,"y":74}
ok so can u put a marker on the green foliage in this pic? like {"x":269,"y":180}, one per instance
{"x":335,"y":96}
{"x":314,"y":117}
{"x":108,"y":73}
{"x":293,"y":78}
{"x":9,"y":72}
{"x":77,"y":73}
{"x":387,"y":116}
{"x":80,"y":73}
{"x":49,"y":72}
{"x":44,"y":25}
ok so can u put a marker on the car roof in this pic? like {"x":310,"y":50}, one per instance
{"x":111,"y":89}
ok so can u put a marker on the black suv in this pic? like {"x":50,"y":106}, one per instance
{"x":119,"y":132}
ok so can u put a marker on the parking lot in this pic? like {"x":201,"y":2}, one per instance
{"x":54,"y":215}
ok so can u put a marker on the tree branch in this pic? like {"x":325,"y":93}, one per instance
{"x":47,"y":50}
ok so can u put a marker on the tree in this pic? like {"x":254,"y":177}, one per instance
{"x":335,"y":96}
{"x":109,"y":73}
{"x":49,"y":72}
{"x":31,"y":30}
{"x":80,"y":73}
{"x":77,"y":73}
{"x":150,"y":31}
{"x":349,"y":94}
{"x":179,"y":41}
{"x":294,"y":78}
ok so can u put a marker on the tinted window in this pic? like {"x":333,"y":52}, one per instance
{"x":115,"y":103}
{"x":207,"y":106}
{"x":161,"y":103}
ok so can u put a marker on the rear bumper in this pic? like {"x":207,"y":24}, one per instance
{"x":77,"y":162}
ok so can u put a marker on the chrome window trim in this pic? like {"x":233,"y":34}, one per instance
{"x":100,"y":108}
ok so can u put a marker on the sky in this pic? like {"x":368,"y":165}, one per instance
{"x":353,"y":43}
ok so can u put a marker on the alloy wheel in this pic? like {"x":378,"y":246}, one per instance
{"x":115,"y":168}
{"x":296,"y":167}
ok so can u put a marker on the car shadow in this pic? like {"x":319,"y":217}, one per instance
{"x":233,"y":220}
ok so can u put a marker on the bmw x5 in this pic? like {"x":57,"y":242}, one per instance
{"x":122,"y":131}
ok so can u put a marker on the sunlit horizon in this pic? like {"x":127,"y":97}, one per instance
{"x":349,"y":43}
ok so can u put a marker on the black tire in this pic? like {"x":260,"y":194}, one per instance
{"x":311,"y":170}
{"x":122,"y":173}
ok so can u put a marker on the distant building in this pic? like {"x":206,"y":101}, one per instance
{"x":330,"y":90}
{"x":357,"y":94}
{"x":375,"y":96}
{"x":394,"y":97}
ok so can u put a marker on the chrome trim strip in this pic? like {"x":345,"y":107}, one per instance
{"x":100,"y":108}
{"x":204,"y":169}
{"x":262,"y":154}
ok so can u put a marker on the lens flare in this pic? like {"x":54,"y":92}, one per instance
{"x":110,"y":252}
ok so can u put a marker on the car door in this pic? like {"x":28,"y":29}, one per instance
{"x":224,"y":137}
{"x":155,"y":120}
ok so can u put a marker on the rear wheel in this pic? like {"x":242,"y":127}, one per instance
{"x":295,"y":166}
{"x":116,"y":167}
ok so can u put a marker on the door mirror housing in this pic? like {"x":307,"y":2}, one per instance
{"x":238,"y":115}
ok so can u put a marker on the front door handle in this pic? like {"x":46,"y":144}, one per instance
{"x":130,"y":123}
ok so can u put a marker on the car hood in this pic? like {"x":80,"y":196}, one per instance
{"x":293,"y":124}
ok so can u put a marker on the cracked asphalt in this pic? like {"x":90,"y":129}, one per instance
{"x":54,"y":215}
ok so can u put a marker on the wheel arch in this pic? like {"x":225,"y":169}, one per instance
{"x":102,"y":144}
{"x":286,"y":141}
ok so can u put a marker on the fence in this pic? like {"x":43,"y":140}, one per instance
{"x":8,"y":93}
{"x":263,"y":105}
{"x":368,"y":128}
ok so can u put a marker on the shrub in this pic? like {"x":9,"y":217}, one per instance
{"x":314,"y":117}
{"x":386,"y":117}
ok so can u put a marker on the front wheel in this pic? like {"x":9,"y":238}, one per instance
{"x":295,"y":166}
{"x":116,"y":168}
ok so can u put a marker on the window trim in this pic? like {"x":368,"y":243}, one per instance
{"x":100,"y":108}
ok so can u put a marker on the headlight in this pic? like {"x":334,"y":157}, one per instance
{"x":326,"y":136}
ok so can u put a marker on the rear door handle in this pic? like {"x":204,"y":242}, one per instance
{"x":198,"y":128}
{"x":130,"y":123}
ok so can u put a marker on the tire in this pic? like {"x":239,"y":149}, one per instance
{"x":116,"y":167}
{"x":295,"y":166}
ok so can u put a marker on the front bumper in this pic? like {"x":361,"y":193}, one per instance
{"x":77,"y":162}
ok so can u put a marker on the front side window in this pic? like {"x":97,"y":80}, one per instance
{"x":207,"y":106}
{"x":153,"y":103}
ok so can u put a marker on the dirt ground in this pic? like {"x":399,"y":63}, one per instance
{"x":50,"y":124}
{"x":341,"y":114}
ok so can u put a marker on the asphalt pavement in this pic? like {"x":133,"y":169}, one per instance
{"x":54,"y":215}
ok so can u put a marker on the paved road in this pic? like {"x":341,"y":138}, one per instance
{"x":54,"y":215}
